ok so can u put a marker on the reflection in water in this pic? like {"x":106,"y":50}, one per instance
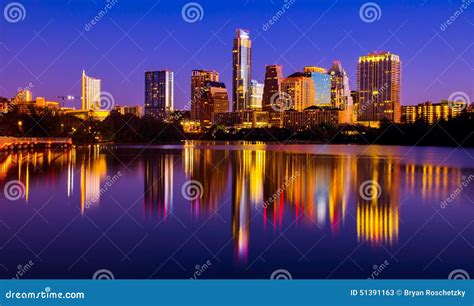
{"x":275,"y":186}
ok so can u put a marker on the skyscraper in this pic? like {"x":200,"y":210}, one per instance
{"x":90,"y":92}
{"x":159,"y":93}
{"x":214,"y":100}
{"x":272,"y":87}
{"x":378,"y":86}
{"x":300,"y":90}
{"x":256,"y":95}
{"x":340,"y":92}
{"x":199,"y":78}
{"x":322,"y":85}
{"x":241,"y":73}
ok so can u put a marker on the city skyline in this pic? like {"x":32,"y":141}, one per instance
{"x":419,"y":50}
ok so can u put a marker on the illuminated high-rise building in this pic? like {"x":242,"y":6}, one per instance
{"x":241,"y":71}
{"x":432,"y":112}
{"x":340,"y":92}
{"x":90,"y":92}
{"x":214,"y":100}
{"x":299,"y":89}
{"x":272,"y":85}
{"x":379,"y":86}
{"x":256,"y":95}
{"x":322,"y":85}
{"x":198,"y":80}
{"x":159,"y":93}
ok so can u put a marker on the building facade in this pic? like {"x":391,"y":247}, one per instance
{"x":256,"y":95}
{"x":311,"y":117}
{"x":199,"y":78}
{"x":299,"y":89}
{"x":272,"y":85}
{"x":91,"y":92}
{"x":322,"y":85}
{"x":241,"y":70}
{"x":159,"y":93}
{"x":379,"y":87}
{"x":432,"y":112}
{"x":214,"y":100}
{"x":135,"y":110}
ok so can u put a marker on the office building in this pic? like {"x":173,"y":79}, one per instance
{"x":159,"y":93}
{"x":91,"y":92}
{"x":241,"y":70}
{"x":256,"y":95}
{"x":322,"y":85}
{"x":432,"y":112}
{"x":379,"y":87}
{"x":272,"y":85}
{"x":214,"y":99}
{"x":199,"y":78}
{"x":298,"y":89}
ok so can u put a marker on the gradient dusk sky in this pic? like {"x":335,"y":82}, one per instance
{"x":50,"y":47}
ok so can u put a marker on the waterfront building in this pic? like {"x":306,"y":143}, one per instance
{"x":341,"y":97}
{"x":379,"y":87}
{"x":242,"y":119}
{"x":135,"y":110}
{"x":159,"y":93}
{"x":198,"y":80}
{"x":214,"y":99}
{"x":322,"y":85}
{"x":91,"y":91}
{"x":241,"y":70}
{"x":256,"y":95}
{"x":272,"y":85}
{"x":299,"y":90}
{"x":310,"y":117}
{"x":432,"y":112}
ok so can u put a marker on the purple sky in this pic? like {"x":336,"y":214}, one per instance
{"x":48,"y":49}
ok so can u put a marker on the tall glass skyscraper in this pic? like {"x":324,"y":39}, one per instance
{"x":159,"y":93}
{"x":378,"y":87}
{"x":241,"y":73}
{"x":90,"y":92}
{"x":322,"y":85}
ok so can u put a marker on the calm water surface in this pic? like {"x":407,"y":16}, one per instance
{"x":261,"y":208}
